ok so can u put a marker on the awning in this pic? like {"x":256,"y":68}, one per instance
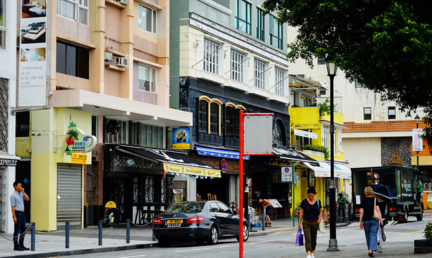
{"x":318,"y":169}
{"x":7,"y":159}
{"x":174,"y":162}
{"x":291,"y":155}
{"x":310,"y":83}
{"x":322,"y":169}
{"x":344,"y":172}
{"x":219,"y":153}
{"x":305,"y":134}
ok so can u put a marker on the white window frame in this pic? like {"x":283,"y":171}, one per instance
{"x":325,"y":135}
{"x":364,"y":113}
{"x":151,"y":69}
{"x":211,"y":56}
{"x":3,"y":28}
{"x":340,"y":139}
{"x":153,"y":19}
{"x":117,"y":138}
{"x":259,"y":73}
{"x":280,"y":81}
{"x":236,"y":66}
{"x":393,"y":108}
{"x":78,"y":5}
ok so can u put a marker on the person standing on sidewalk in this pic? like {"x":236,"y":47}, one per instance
{"x":17,"y":204}
{"x":265,"y":203}
{"x":382,"y":204}
{"x":311,"y":214}
{"x":341,"y":205}
{"x":367,"y":221}
{"x":419,"y":188}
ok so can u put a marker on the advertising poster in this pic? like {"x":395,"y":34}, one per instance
{"x":32,"y":54}
{"x":181,"y":138}
{"x":417,"y":140}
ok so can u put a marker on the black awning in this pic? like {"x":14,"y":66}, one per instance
{"x":291,"y":155}
{"x":174,"y":162}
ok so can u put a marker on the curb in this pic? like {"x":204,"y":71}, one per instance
{"x":265,"y":233}
{"x":86,"y":251}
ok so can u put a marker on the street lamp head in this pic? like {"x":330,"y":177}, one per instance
{"x":331,"y":66}
{"x":417,"y":119}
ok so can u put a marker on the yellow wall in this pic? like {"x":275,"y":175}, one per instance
{"x":48,"y":128}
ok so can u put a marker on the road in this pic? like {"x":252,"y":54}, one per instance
{"x":351,"y":241}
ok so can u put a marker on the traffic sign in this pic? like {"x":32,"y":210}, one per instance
{"x":286,"y":174}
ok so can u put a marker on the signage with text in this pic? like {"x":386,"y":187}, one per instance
{"x":181,"y":138}
{"x":76,"y":141}
{"x":417,"y":140}
{"x":286,"y":174}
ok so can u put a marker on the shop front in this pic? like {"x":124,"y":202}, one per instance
{"x":8,"y":164}
{"x":139,"y":180}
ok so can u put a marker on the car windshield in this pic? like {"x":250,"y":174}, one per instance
{"x":185,"y":207}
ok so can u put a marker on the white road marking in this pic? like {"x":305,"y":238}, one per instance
{"x":189,"y":250}
{"x":134,"y":256}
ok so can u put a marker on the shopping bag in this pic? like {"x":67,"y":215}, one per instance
{"x":299,"y":238}
{"x":321,"y":227}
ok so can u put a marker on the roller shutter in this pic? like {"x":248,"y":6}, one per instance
{"x":69,"y":188}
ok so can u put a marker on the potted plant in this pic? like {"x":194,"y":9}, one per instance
{"x":424,"y":246}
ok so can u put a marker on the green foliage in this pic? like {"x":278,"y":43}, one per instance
{"x":318,"y":148}
{"x":428,"y":231}
{"x":385,"y":45}
{"x":174,"y":107}
{"x":324,"y":108}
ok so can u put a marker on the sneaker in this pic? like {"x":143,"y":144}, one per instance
{"x":309,"y":256}
{"x":380,"y":249}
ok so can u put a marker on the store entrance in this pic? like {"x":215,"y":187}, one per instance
{"x":216,"y":188}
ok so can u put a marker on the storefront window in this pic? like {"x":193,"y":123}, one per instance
{"x":163,"y":190}
{"x":149,"y":189}
{"x":312,"y":181}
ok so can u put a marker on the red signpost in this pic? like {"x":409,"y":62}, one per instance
{"x":241,"y":153}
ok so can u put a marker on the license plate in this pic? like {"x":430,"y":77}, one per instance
{"x":174,"y":225}
{"x":174,"y":221}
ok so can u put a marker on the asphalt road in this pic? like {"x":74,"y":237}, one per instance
{"x":351,"y":241}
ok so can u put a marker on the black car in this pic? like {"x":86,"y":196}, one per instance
{"x":201,"y":221}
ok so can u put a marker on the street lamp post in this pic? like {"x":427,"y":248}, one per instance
{"x":417,"y":120}
{"x":331,"y":70}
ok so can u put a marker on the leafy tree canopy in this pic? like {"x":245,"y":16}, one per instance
{"x":384,"y":44}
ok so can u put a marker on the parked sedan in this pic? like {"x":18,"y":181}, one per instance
{"x":201,"y":221}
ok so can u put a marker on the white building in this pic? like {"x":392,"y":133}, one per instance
{"x":8,"y":33}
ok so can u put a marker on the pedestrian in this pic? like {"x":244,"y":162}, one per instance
{"x":368,"y":222}
{"x":382,"y":204}
{"x":341,"y":205}
{"x":266,"y":204}
{"x":311,"y":214}
{"x":419,"y":187}
{"x":17,"y":204}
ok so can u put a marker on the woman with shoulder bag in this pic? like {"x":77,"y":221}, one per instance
{"x":370,"y":219}
{"x":311,"y":214}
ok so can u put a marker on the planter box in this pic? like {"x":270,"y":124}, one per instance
{"x":314,"y":153}
{"x":422,"y":246}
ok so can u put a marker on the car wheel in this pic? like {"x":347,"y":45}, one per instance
{"x":214,"y":236}
{"x":164,"y":242}
{"x":420,"y":217}
{"x":245,"y":233}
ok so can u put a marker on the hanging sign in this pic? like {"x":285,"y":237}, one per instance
{"x":79,"y":158}
{"x":223,"y":165}
{"x":181,"y":138}
{"x":76,"y":141}
{"x":417,"y":140}
{"x":286,"y":174}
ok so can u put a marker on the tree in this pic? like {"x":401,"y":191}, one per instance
{"x":72,"y":135}
{"x":384,"y":44}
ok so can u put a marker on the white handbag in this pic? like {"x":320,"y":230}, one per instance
{"x":321,"y":224}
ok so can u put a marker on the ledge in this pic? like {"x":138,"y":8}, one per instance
{"x":139,"y":60}
{"x":118,"y":5}
{"x":115,"y":52}
{"x":149,"y":4}
{"x":78,"y":42}
{"x":116,"y":68}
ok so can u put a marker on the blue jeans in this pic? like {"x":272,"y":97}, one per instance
{"x":371,"y":231}
{"x":20,"y":228}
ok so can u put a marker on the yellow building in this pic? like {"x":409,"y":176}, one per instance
{"x":310,"y":134}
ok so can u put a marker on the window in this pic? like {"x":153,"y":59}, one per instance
{"x":211,"y":57}
{"x":359,"y":85}
{"x":279,"y":133}
{"x":280,"y":79}
{"x":223,"y":208}
{"x":214,"y":118}
{"x":94,"y":125}
{"x":237,"y":66}
{"x":2,"y":24}
{"x":22,"y":124}
{"x":367,"y":113}
{"x":259,"y":74}
{"x":146,"y":78}
{"x":229,"y":121}
{"x":260,"y":24}
{"x":325,"y":136}
{"x":323,"y":92}
{"x":147,"y":19}
{"x":276,"y":33}
{"x":147,"y":135}
{"x":76,"y":10}
{"x":120,"y":136}
{"x":321,"y":60}
{"x":203,"y":116}
{"x":213,"y":207}
{"x":243,"y":16}
{"x":391,"y":112}
{"x":72,"y":60}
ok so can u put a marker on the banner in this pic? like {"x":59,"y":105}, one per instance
{"x":417,"y":140}
{"x":32,"y":89}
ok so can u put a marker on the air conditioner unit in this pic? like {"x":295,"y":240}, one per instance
{"x":116,"y":61}
{"x":124,"y":62}
{"x":122,"y":1}
{"x":108,"y":56}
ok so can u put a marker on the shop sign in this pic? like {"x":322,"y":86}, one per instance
{"x":79,"y":158}
{"x":181,"y":138}
{"x":223,"y":165}
{"x":129,"y":163}
{"x":286,"y":174}
{"x":8,"y":162}
{"x":76,"y":141}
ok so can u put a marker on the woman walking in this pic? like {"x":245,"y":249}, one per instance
{"x":368,"y":222}
{"x":311,"y":214}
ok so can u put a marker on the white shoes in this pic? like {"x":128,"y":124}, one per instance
{"x":310,"y":256}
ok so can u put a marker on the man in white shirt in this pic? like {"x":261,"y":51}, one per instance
{"x":17,"y":204}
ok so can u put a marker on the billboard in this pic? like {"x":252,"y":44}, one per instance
{"x":181,"y":138}
{"x":258,"y":134}
{"x":32,"y":90}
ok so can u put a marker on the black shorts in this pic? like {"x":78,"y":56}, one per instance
{"x":269,"y":210}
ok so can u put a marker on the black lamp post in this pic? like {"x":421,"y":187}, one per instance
{"x":331,"y":72}
{"x":417,"y":120}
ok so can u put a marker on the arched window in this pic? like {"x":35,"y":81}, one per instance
{"x":230,"y":120}
{"x":279,"y":133}
{"x":203,"y":116}
{"x":214,"y":118}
